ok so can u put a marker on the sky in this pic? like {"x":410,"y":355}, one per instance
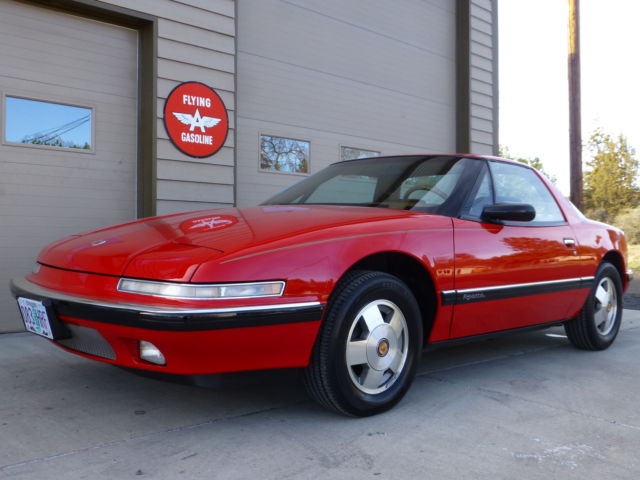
{"x":28,"y":118}
{"x":534,"y":105}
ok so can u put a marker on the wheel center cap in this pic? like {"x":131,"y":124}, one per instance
{"x":383,"y":347}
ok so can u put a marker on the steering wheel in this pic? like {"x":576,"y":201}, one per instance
{"x":433,"y":189}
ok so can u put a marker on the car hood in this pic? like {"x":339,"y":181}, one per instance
{"x":172,"y":247}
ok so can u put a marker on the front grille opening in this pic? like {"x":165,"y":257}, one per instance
{"x":87,"y":340}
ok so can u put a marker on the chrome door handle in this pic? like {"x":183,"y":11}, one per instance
{"x":569,"y":242}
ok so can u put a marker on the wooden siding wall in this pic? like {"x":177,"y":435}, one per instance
{"x":196,"y":41}
{"x":483,"y":81}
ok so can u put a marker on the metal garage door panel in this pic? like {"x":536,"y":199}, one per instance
{"x":374,"y":75}
{"x":47,"y":193}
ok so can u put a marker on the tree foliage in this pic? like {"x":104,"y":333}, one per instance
{"x":535,"y":162}
{"x":610,"y":183}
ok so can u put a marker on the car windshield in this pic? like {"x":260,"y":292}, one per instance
{"x":427,"y":184}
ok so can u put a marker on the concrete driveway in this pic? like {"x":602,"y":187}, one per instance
{"x":524,"y":406}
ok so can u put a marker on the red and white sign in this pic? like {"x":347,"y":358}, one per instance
{"x":196,"y":119}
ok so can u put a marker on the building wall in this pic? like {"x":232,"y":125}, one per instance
{"x":367,"y":74}
{"x":196,"y":41}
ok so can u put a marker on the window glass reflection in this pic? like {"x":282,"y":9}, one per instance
{"x":350,"y":153}
{"x":36,"y":122}
{"x":280,"y":154}
{"x":516,"y":184}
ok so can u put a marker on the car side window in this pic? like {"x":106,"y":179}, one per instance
{"x":516,"y":184}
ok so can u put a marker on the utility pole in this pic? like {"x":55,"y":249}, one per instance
{"x":575,"y":121}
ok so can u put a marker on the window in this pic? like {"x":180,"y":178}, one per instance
{"x":350,"y":153}
{"x":278,"y":154}
{"x":35,"y":122}
{"x":515,"y":184}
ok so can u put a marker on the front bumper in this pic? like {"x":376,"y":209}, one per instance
{"x":193,"y":340}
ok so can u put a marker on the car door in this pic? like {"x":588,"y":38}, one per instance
{"x":510,"y":274}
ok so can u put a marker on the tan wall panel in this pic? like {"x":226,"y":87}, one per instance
{"x":199,"y":37}
{"x":202,"y":57}
{"x":223,"y":7}
{"x":167,"y":151}
{"x":181,"y":72}
{"x":194,"y":172}
{"x":192,"y":191}
{"x":483,"y":75}
{"x":167,"y":207}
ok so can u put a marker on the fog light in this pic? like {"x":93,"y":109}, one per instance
{"x":150,"y":353}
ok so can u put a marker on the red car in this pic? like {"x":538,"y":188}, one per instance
{"x":350,"y":273}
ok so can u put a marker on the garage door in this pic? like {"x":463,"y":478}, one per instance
{"x":343,"y":79}
{"x":69,"y":119}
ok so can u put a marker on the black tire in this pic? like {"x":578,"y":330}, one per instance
{"x":361,"y":389}
{"x":598,"y":323}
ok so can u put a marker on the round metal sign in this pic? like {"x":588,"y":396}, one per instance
{"x":196,"y":119}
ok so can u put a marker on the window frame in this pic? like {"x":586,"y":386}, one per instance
{"x":280,"y":172}
{"x":58,"y":101}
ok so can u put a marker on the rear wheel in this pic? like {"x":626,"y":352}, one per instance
{"x":599,"y":321}
{"x":366,"y":354}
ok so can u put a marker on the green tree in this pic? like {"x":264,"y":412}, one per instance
{"x":610,"y":181}
{"x":535,"y":162}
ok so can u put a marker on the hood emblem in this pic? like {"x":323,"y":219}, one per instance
{"x":207,"y":224}
{"x":210,"y":223}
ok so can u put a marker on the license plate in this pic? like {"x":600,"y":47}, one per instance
{"x":34,"y":315}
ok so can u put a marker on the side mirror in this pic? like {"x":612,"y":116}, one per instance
{"x":515,"y":212}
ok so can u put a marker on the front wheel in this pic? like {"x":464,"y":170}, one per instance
{"x":367,"y":351}
{"x":598,"y":323}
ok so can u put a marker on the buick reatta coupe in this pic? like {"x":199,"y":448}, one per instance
{"x":349,"y":274}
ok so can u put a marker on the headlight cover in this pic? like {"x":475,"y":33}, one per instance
{"x":195,"y":291}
